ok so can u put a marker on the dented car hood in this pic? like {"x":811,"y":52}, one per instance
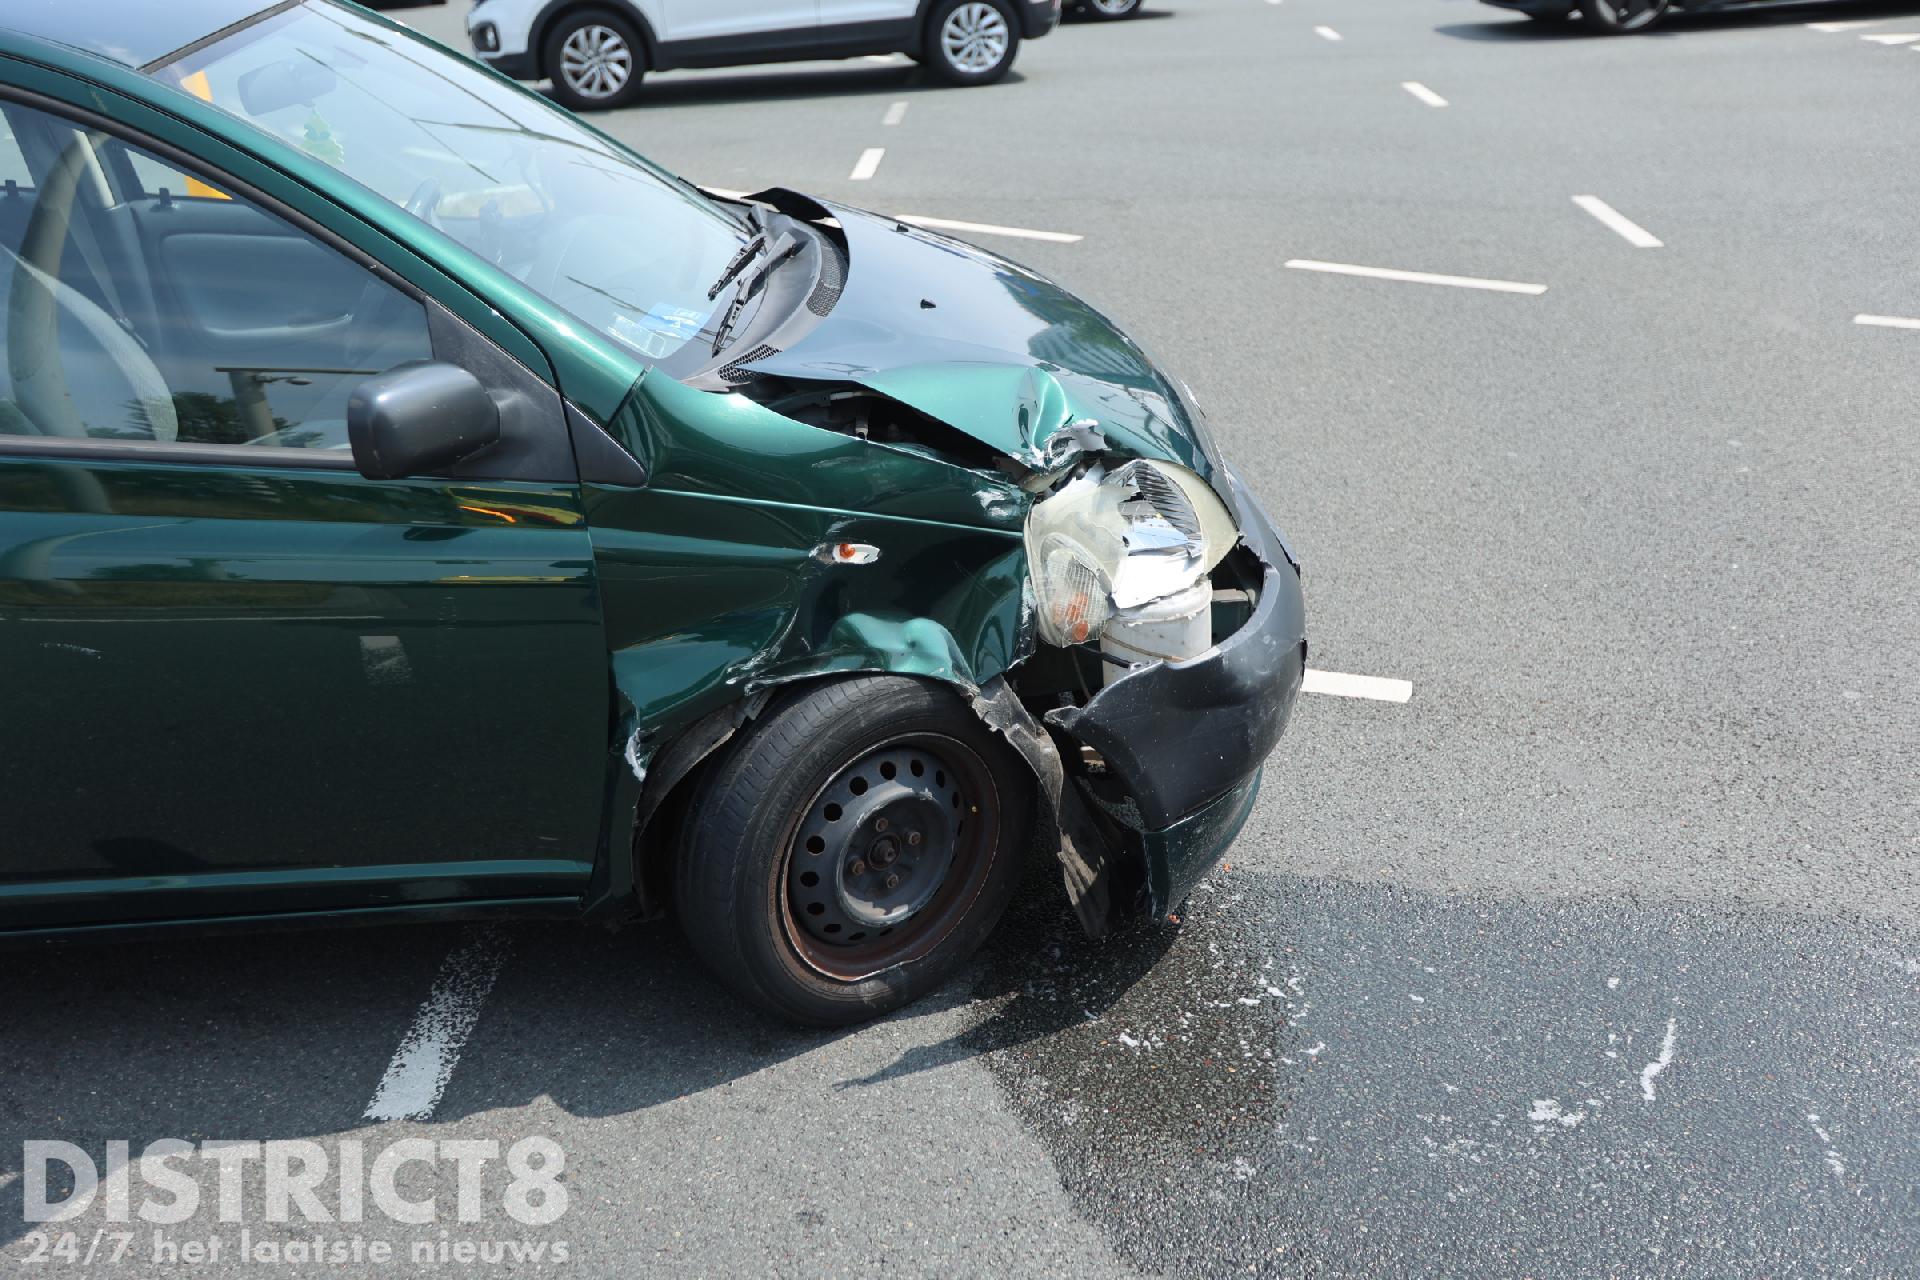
{"x":986,"y":346}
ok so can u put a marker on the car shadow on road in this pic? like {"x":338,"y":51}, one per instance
{"x":642,"y":1023}
{"x":852,"y":79}
{"x":1502,"y":26}
{"x":288,"y":1034}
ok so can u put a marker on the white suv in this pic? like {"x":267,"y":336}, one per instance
{"x":595,"y":51}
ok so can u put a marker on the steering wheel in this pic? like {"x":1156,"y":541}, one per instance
{"x":424,"y":203}
{"x":35,"y":302}
{"x":379,"y":302}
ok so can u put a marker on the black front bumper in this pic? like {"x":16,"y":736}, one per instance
{"x":1183,"y":737}
{"x":518,"y":66}
{"x":1037,"y":17}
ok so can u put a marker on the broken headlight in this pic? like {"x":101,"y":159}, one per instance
{"x":1114,"y":539}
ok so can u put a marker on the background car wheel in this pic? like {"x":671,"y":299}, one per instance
{"x":1617,"y":17}
{"x":1553,"y":18}
{"x":852,"y":848}
{"x":970,"y":41}
{"x":595,"y":60}
{"x":1109,"y":10}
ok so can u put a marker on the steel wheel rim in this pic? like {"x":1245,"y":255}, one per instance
{"x":596,"y":61}
{"x":1115,"y":8}
{"x":881,"y":928}
{"x":975,"y":37}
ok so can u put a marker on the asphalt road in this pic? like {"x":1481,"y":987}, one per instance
{"x":1599,"y":955}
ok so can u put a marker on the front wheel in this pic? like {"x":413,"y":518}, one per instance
{"x":595,"y":60}
{"x":1618,"y":17}
{"x":1109,"y":10}
{"x":970,"y":42}
{"x":852,"y":848}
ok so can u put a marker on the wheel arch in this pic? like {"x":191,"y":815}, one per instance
{"x":670,"y":776}
{"x":923,"y":16}
{"x":555,"y":10}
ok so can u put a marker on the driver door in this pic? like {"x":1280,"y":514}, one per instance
{"x":236,"y":676}
{"x":722,"y":19}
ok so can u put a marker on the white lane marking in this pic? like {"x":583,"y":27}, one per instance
{"x":1339,"y":684}
{"x":1327,"y":33}
{"x":1423,"y":93}
{"x":1613,"y":220}
{"x":1888,"y":322}
{"x":1659,"y":1064}
{"x":1842,"y":26}
{"x":895,"y":114}
{"x":1414,"y":277}
{"x":987,"y":229}
{"x":867,"y":165}
{"x":424,"y":1062}
{"x":1896,"y":38}
{"x":877,"y":57}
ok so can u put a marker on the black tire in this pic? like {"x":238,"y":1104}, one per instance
{"x":1109,"y":10}
{"x":951,"y":57}
{"x":618,"y":44}
{"x":774,"y":888}
{"x":1620,"y":17}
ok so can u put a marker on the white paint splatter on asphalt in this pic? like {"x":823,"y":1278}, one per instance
{"x":1547,"y":1111}
{"x":1659,"y":1064}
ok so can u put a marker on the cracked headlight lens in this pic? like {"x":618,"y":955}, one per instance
{"x":1112,"y":540}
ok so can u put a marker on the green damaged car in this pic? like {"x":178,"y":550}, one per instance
{"x":413,"y":502}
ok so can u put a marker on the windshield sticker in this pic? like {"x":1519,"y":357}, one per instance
{"x":661,"y":331}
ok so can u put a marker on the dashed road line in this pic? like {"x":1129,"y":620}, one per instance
{"x":1339,"y":684}
{"x":1898,"y":37}
{"x":987,"y":229}
{"x":1618,"y":223}
{"x":1423,"y":93}
{"x":430,"y":1050}
{"x":867,"y":165}
{"x":1415,"y":277}
{"x":1831,"y":27}
{"x":1888,"y":322}
{"x":1328,"y":33}
{"x":895,"y":113}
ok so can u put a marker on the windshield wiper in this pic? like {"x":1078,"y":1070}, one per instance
{"x":748,"y":252}
{"x":763,"y":258}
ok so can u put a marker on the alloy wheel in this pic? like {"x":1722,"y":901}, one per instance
{"x":596,"y":61}
{"x":1623,"y":15}
{"x":975,"y":37}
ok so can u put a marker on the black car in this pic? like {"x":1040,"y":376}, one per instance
{"x":1610,"y":17}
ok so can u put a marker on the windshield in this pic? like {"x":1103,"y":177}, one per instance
{"x":622,"y":246}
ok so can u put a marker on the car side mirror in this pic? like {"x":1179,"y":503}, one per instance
{"x":419,"y":418}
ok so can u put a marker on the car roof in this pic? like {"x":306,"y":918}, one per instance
{"x":133,"y":32}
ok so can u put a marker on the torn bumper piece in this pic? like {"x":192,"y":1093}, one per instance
{"x":1186,"y":740}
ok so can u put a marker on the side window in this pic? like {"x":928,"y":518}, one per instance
{"x":13,"y":165}
{"x":141,"y":303}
